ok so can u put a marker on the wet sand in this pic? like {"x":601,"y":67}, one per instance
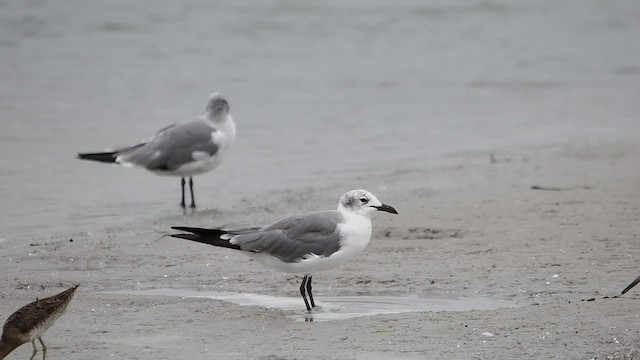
{"x":474,"y":229}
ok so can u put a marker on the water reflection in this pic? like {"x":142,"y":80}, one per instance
{"x":331,"y":308}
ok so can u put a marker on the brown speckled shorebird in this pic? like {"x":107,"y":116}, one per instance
{"x":31,"y":321}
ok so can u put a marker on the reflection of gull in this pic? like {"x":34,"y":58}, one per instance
{"x":634,"y":283}
{"x":303,"y":243}
{"x":30,"y":321}
{"x":187,"y":149}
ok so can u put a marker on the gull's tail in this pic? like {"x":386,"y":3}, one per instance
{"x":109,"y":156}
{"x":205,"y":236}
{"x":634,"y":283}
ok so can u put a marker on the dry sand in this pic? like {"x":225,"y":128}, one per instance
{"x":472,"y":230}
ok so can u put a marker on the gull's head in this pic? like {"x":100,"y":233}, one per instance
{"x":217,"y":105}
{"x":362,"y":202}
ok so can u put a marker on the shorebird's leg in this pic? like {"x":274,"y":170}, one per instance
{"x":313,"y":304}
{"x":302,"y":289}
{"x":34,"y":350}
{"x":182,"y":182}
{"x":44,"y":348}
{"x":193,"y":201}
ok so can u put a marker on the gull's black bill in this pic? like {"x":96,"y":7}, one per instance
{"x":387,"y":208}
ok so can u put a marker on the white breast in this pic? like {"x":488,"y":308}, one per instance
{"x":202,"y":162}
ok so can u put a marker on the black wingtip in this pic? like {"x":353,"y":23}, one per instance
{"x":192,"y":237}
{"x":183,"y":228}
{"x":200,"y":231}
{"x":108,"y":157}
{"x":204,"y":236}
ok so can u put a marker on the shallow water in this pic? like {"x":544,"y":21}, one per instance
{"x":331,"y":308}
{"x":321,"y":93}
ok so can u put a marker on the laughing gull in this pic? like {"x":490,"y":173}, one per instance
{"x":634,"y":283}
{"x":303,"y":243}
{"x":186,"y":149}
{"x":29,"y":322}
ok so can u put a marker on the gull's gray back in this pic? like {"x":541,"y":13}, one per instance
{"x":292,"y":238}
{"x":174,"y":146}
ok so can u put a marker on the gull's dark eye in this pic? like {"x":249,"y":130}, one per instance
{"x":364,"y":200}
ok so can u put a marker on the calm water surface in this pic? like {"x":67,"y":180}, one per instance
{"x":320,"y":91}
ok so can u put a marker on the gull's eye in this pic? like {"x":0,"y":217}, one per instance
{"x":364,"y":200}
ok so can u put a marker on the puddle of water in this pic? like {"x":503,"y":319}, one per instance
{"x":331,"y":308}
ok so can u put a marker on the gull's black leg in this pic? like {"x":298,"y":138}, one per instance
{"x":309,"y":292}
{"x":302,"y":288}
{"x":193,"y":201}
{"x":182,"y":202}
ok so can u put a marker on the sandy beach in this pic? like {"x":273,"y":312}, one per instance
{"x":471,"y":230}
{"x":505,"y":133}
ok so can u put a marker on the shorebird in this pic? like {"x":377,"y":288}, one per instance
{"x":634,"y":283}
{"x":31,"y":321}
{"x":182,"y":150}
{"x":303,"y":243}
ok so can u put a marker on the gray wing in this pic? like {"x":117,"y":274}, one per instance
{"x":292,"y":238}
{"x":174,"y":146}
